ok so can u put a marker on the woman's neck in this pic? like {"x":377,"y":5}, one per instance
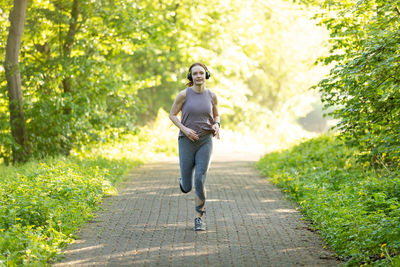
{"x":199,"y":88}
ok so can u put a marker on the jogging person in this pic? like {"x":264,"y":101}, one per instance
{"x":199,"y":122}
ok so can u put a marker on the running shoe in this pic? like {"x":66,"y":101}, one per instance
{"x":199,"y":225}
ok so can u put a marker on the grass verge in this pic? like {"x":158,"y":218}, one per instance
{"x":44,"y":203}
{"x":354,"y":206}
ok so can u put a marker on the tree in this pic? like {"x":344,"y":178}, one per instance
{"x":363,"y":86}
{"x":67,"y":80}
{"x":20,"y":148}
{"x":75,"y":54}
{"x":93,"y":70}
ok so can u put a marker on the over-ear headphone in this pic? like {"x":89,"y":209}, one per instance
{"x":208,"y":75}
{"x":189,"y":76}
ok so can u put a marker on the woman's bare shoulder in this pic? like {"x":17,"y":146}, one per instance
{"x":181,"y":96}
{"x":183,"y":92}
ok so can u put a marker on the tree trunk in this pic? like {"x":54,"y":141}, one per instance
{"x":67,"y":48}
{"x":20,"y":150}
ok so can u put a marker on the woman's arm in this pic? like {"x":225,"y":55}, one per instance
{"x":217,"y":122}
{"x":173,"y":115}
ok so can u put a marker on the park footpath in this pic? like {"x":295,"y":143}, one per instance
{"x":150,"y":222}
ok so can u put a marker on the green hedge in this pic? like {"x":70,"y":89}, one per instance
{"x":355,"y":207}
{"x":42,"y":204}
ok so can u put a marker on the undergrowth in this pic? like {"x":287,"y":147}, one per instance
{"x":43,"y":203}
{"x":355,"y":206}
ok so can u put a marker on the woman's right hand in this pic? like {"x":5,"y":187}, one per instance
{"x":191,"y":134}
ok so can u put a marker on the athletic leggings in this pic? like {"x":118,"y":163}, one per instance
{"x":195,"y":156}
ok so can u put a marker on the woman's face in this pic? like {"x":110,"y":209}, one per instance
{"x":198,"y":75}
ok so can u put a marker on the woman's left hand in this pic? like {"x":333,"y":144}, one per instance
{"x":216,"y":130}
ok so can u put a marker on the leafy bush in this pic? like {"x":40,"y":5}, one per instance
{"x":363,"y":86}
{"x":355,"y":207}
{"x":160,"y":138}
{"x":42,"y":204}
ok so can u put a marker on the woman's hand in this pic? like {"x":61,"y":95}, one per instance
{"x":216,"y":130}
{"x":191,"y":134}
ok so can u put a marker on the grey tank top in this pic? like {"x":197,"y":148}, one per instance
{"x":197,"y":112}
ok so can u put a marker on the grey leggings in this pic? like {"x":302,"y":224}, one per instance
{"x":195,"y":156}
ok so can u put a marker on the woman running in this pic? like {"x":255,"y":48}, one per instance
{"x":199,"y":123}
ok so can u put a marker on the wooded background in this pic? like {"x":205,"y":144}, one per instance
{"x":93,"y":70}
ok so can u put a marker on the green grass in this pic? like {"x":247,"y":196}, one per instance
{"x":44,"y":203}
{"x":355,"y":207}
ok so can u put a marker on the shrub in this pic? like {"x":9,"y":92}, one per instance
{"x":355,"y":207}
{"x":43,"y":203}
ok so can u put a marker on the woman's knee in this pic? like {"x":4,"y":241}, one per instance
{"x":185,"y":185}
{"x":186,"y":189}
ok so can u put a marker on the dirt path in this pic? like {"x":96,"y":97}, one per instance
{"x":150,"y":223}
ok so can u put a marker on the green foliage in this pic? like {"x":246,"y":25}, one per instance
{"x":129,"y":59}
{"x":161,"y":137}
{"x":355,"y":207}
{"x":147,"y":143}
{"x":364,"y":84}
{"x":42,"y":204}
{"x":102,"y":98}
{"x":262,"y":64}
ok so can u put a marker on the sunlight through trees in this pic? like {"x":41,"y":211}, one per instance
{"x":96,"y":70}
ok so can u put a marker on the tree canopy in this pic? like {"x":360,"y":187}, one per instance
{"x":364,"y":84}
{"x":93,"y":70}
